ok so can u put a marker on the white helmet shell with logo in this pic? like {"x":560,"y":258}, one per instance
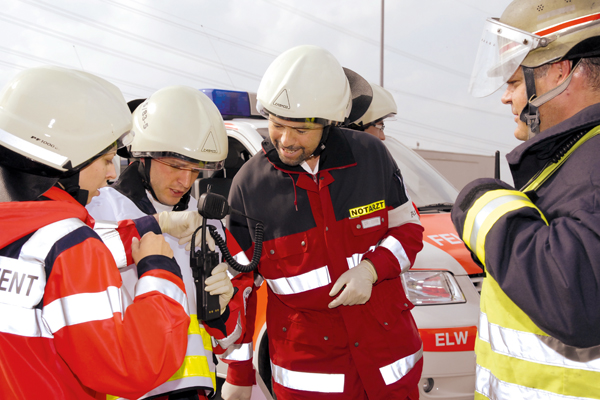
{"x":62,"y":118}
{"x":180,"y":121}
{"x":305,"y":82}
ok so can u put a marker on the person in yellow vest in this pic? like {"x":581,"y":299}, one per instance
{"x":179,"y":132}
{"x":539,"y":330}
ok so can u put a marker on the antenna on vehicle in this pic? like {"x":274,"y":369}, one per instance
{"x":497,"y":165}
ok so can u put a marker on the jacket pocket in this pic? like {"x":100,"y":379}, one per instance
{"x":283,"y":247}
{"x":388,"y":301}
{"x":368,"y":224}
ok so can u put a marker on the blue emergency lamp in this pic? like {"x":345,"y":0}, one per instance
{"x":231,"y":104}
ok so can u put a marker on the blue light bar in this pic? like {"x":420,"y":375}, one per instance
{"x":230,"y":103}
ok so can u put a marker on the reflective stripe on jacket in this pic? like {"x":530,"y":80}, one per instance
{"x":65,"y":327}
{"x":531,"y":250}
{"x":198,"y":368}
{"x":316,"y":228}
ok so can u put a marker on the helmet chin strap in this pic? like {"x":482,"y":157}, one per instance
{"x":321,"y":145}
{"x":531,"y":113}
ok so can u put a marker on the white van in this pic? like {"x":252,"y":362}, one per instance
{"x":443,"y":284}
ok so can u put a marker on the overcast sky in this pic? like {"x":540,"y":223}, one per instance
{"x":143,"y":45}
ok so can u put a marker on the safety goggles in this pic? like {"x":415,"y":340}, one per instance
{"x":179,"y":161}
{"x":379,"y":125}
{"x":187,"y":166}
{"x":309,"y":121}
{"x":308,"y":126}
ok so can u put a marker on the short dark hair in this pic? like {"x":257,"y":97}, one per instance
{"x":592,"y":71}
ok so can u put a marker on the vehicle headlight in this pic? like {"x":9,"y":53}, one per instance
{"x":432,"y":287}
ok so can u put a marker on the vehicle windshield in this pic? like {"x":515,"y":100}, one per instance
{"x":427,"y":188}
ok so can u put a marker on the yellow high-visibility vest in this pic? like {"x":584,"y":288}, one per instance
{"x":515,"y":358}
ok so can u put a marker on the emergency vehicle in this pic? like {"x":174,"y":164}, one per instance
{"x":443,"y":283}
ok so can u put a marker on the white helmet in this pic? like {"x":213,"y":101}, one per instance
{"x":60,"y":119}
{"x":182,"y":122}
{"x":382,"y":106}
{"x":305,"y":82}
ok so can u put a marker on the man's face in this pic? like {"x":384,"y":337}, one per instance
{"x":295,"y":141}
{"x":516,"y":96}
{"x":95,"y":175}
{"x":171,"y":178}
{"x":376,"y":130}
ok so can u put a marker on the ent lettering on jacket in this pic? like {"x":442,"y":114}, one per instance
{"x":21,"y":283}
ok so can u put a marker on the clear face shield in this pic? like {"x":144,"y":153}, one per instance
{"x":501,"y":51}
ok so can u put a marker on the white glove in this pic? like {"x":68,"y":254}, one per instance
{"x":358,"y":282}
{"x":232,"y":392}
{"x":182,"y":224}
{"x":218,"y":283}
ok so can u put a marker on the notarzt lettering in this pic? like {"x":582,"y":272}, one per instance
{"x":366,"y":210}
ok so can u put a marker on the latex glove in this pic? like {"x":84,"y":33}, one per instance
{"x":150,"y":244}
{"x":358,"y":282}
{"x":232,"y":392}
{"x":182,"y":224}
{"x":218,"y":283}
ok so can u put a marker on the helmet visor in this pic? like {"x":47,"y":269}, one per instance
{"x":179,"y":161}
{"x":501,"y":51}
{"x":310,"y":121}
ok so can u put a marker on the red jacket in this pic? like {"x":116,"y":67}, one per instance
{"x":316,"y":228}
{"x":65,"y":332}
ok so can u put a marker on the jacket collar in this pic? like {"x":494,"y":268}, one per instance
{"x":531,"y":156}
{"x":131,"y":185}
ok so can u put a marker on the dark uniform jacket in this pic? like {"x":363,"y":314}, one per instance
{"x":316,"y":228}
{"x":552,"y":272}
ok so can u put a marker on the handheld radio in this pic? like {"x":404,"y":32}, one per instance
{"x":203,"y":261}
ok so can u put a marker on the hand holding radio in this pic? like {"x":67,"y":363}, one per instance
{"x":220,"y":284}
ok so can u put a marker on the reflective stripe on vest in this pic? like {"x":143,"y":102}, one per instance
{"x":110,"y":236}
{"x":516,"y":359}
{"x":518,"y":356}
{"x":301,"y":283}
{"x":486,"y":211}
{"x":398,"y":369}
{"x":196,"y":369}
{"x":504,"y":390}
{"x":238,"y":352}
{"x":541,"y":349}
{"x":196,"y":328}
{"x":308,"y":381}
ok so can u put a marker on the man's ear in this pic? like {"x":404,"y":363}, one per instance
{"x":562,"y":69}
